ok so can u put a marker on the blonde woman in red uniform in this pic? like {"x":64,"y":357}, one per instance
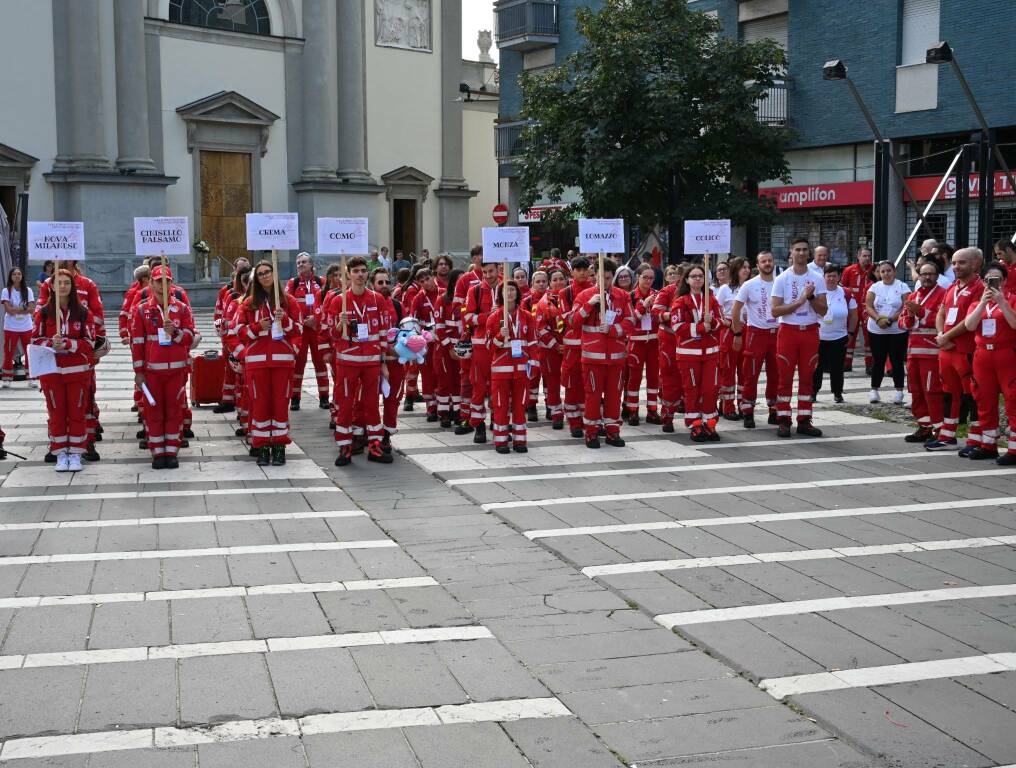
{"x":643,"y":350}
{"x":271,"y":334}
{"x":696,"y":328}
{"x":993,"y":321}
{"x":66,"y":390}
{"x":510,"y":340}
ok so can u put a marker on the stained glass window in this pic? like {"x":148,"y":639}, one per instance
{"x":233,"y":15}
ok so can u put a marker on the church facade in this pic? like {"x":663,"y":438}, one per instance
{"x":215,"y":108}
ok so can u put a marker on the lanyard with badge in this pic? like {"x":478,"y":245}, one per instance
{"x":647,"y":318}
{"x":362,"y":327}
{"x":308,"y":299}
{"x":609,"y":314}
{"x":989,"y":325}
{"x":513,"y":332}
{"x":164,"y":338}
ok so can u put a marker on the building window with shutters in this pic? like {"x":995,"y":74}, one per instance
{"x":917,"y":81}
{"x":771,"y":27}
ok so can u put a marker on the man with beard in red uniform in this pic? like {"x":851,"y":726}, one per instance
{"x":479,"y":305}
{"x":856,"y":280}
{"x":306,"y":289}
{"x":469,"y":280}
{"x":956,"y":349}
{"x":920,"y":312}
{"x":605,"y":331}
{"x":571,"y":356}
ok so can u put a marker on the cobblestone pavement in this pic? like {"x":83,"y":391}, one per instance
{"x":754,"y":602}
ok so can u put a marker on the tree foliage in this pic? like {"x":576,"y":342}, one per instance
{"x":655,"y":88}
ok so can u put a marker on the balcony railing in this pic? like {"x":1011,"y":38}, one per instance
{"x":773,"y":109}
{"x":525,"y":25}
{"x":509,"y":142}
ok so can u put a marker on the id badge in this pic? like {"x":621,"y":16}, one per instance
{"x":362,"y":331}
{"x":277,"y":333}
{"x":647,"y":323}
{"x":516,"y":347}
{"x":609,"y":316}
{"x":309,"y":299}
{"x":828,"y":319}
{"x":950,"y":316}
{"x":164,"y":340}
{"x":988,"y":327}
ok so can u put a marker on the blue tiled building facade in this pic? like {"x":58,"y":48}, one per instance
{"x":919,"y":106}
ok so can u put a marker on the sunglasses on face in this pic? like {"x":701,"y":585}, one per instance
{"x":382,"y":282}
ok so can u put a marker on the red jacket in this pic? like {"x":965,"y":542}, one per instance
{"x":521,"y":328}
{"x":88,"y":295}
{"x":922,"y":326}
{"x":148,"y":354}
{"x":1004,"y":337}
{"x":449,"y":327}
{"x":300,"y":289}
{"x":958,"y":302}
{"x":370,"y":309}
{"x":641,"y":332}
{"x":479,"y":304}
{"x":856,"y":282}
{"x":569,"y":301}
{"x":465,"y":283}
{"x":261,"y":350}
{"x":76,"y":362}
{"x":124,"y":321}
{"x":599,"y":347}
{"x":222,"y":299}
{"x":424,"y":307}
{"x":693,"y":340}
{"x":549,"y":317}
{"x":661,"y":305}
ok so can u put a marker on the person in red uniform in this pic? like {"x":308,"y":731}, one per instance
{"x":956,"y":348}
{"x":359,"y":323}
{"x":643,"y":350}
{"x":920,"y":312}
{"x":479,"y":304}
{"x":443,"y":266}
{"x":424,"y":309}
{"x":511,"y":342}
{"x":305,"y":288}
{"x":530,"y":299}
{"x":381,"y":284}
{"x":798,"y":301}
{"x":271,"y":335}
{"x":696,"y":328}
{"x":142,"y":277}
{"x":66,"y":390}
{"x":235,"y":348}
{"x":571,"y":353}
{"x":446,"y":366}
{"x":671,"y":386}
{"x":856,"y":280}
{"x":1005,"y":253}
{"x":554,"y":261}
{"x":605,"y":331}
{"x":407,"y":297}
{"x":466,"y":282}
{"x":227,"y":403}
{"x":993,"y":322}
{"x":757,"y":340}
{"x":549,"y":334}
{"x":160,"y":348}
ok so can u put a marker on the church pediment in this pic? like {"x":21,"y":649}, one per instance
{"x":407,"y":175}
{"x":11,"y":157}
{"x":227,"y":107}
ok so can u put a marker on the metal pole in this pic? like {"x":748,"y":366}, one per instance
{"x":23,"y":232}
{"x":934,"y":198}
{"x":674,"y":224}
{"x":962,"y":238}
{"x":878,"y":231}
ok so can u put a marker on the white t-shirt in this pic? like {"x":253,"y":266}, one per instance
{"x":17,"y":323}
{"x":888,"y":301}
{"x":725,"y":297}
{"x":756,"y":296}
{"x":946,"y":280}
{"x":834,"y":322}
{"x":790,"y":286}
{"x":816,"y":270}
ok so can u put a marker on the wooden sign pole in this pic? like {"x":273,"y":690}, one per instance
{"x":705,"y":290}
{"x":504,"y":296}
{"x":165,"y":286}
{"x":342,"y":274}
{"x":56,"y":295}
{"x":275,"y":275}
{"x":599,"y":279}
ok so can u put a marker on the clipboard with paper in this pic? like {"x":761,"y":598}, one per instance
{"x":41,"y":360}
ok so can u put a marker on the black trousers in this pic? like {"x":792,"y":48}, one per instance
{"x":831,"y":355}
{"x":891,"y":346}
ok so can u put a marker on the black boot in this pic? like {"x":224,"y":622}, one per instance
{"x":3,"y":453}
{"x":323,"y":403}
{"x":772,"y":416}
{"x":463,"y":428}
{"x":90,"y":453}
{"x":749,"y":421}
{"x":278,"y":455}
{"x":50,"y":457}
{"x":264,"y":456}
{"x":159,"y":462}
{"x":503,"y":448}
{"x":172,"y":462}
{"x":224,"y":408}
{"x":407,"y":405}
{"x":240,"y":432}
{"x":375,"y":452}
{"x":386,"y":443}
{"x":577,"y":432}
{"x":188,"y":433}
{"x":531,"y":414}
{"x":294,"y":403}
{"x":141,"y":434}
{"x":481,"y":433}
{"x":345,"y":456}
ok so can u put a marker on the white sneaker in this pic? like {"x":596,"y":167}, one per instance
{"x":898,"y":398}
{"x":74,"y":463}
{"x":873,"y":396}
{"x":63,"y":462}
{"x":33,"y":383}
{"x":5,"y":384}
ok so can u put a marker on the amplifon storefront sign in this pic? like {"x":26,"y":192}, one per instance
{"x":924,"y":186}
{"x":839,"y":195}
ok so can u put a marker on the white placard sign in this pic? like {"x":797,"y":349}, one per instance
{"x":342,"y":236}
{"x":505,"y":244}
{"x":601,"y":235}
{"x":57,"y":240}
{"x":154,"y":235}
{"x":708,"y":236}
{"x":273,"y":231}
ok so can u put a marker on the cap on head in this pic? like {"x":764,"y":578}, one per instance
{"x":160,"y":272}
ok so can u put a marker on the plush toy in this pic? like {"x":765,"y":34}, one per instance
{"x":409,"y":341}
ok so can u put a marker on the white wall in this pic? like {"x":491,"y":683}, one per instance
{"x":404,"y":118}
{"x":28,"y":93}
{"x":829,"y":165}
{"x":192,"y":70}
{"x":479,"y":163}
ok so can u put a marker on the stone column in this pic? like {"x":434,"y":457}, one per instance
{"x":84,"y":91}
{"x":133,"y":148}
{"x":318,"y":73}
{"x":351,"y":34}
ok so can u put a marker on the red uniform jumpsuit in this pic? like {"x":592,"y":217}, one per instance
{"x":510,"y":362}
{"x":956,"y":363}
{"x":236,"y":351}
{"x":407,"y":297}
{"x":730,"y":358}
{"x":529,"y":302}
{"x":479,"y":304}
{"x":165,"y":367}
{"x":466,"y":282}
{"x":446,"y":368}
{"x":796,"y":347}
{"x":923,"y":377}
{"x":643,"y":353}
{"x":396,"y":372}
{"x":759,"y":344}
{"x":671,"y":385}
{"x":856,"y":282}
{"x":220,"y":322}
{"x":358,"y":348}
{"x":571,"y":357}
{"x":268,"y":368}
{"x":424,"y":309}
{"x":308,"y":296}
{"x":66,"y":391}
{"x":994,"y":369}
{"x":549,"y":334}
{"x":697,"y":352}
{"x":603,"y":357}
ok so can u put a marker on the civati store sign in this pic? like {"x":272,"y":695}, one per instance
{"x":924,"y":187}
{"x":821,"y":195}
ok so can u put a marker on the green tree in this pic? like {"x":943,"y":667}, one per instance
{"x":656,"y":89}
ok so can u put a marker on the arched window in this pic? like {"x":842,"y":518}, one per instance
{"x":233,"y":15}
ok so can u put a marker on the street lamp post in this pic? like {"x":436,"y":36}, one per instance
{"x":942,"y":53}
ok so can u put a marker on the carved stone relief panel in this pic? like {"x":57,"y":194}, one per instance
{"x":403,"y":24}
